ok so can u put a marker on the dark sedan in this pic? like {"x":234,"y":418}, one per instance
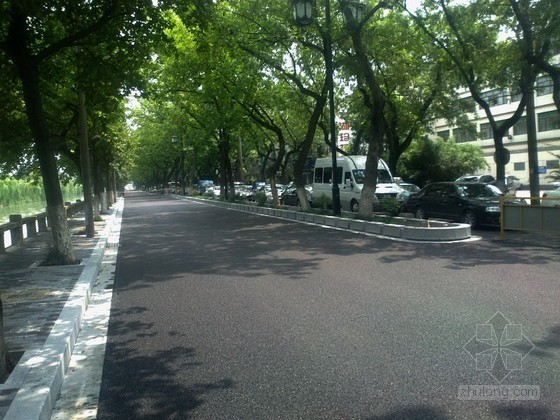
{"x":468,"y":202}
{"x":289,"y":196}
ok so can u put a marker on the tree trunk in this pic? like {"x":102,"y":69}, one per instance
{"x":27,"y":69}
{"x":375,"y":101}
{"x":85,"y":165}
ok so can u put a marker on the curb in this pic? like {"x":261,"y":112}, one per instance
{"x":39,"y":374}
{"x":435,"y":232}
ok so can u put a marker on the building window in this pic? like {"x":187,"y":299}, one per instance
{"x":443,"y":134}
{"x":516,"y":95}
{"x":519,"y":166}
{"x":495,"y":97}
{"x":549,"y":121}
{"x":462,"y":135}
{"x":545,"y":85}
{"x":486,"y":131}
{"x":553,"y":164}
{"x":520,"y":126}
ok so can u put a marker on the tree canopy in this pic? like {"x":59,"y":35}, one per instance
{"x":235,"y":91}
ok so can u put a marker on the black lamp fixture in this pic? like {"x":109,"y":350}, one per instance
{"x":356,"y":8}
{"x":303,"y":12}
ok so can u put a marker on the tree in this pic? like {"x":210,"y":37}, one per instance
{"x":468,"y":34}
{"x":541,"y":20}
{"x":432,"y":161}
{"x":374,"y":100}
{"x":36,"y":39}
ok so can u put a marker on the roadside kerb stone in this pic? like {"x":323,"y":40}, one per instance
{"x":310,"y":218}
{"x":39,"y":374}
{"x":435,"y":231}
{"x":342,"y":223}
{"x":448,"y":233}
{"x":394,"y":231}
{"x":372,"y":227}
{"x":291,"y":214}
{"x":319,"y":219}
{"x":356,"y":225}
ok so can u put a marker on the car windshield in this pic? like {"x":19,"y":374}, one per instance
{"x":409,"y":187}
{"x":383,"y":176}
{"x":476,"y":190}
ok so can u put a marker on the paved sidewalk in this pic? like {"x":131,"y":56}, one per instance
{"x":43,"y":307}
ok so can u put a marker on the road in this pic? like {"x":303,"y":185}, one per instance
{"x":224,"y":314}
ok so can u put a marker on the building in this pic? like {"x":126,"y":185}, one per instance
{"x":503,"y":104}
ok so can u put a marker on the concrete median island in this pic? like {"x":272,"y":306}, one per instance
{"x":402,"y":228}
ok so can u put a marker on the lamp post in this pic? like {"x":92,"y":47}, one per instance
{"x":303,"y":15}
{"x":181,"y":167}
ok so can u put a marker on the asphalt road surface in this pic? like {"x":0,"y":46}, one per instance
{"x":222,"y":314}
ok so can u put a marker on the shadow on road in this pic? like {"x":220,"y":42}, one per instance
{"x":184,"y":237}
{"x":143,"y":379}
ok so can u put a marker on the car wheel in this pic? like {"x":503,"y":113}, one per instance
{"x":469,"y":218}
{"x":354,"y":206}
{"x":420,"y":213}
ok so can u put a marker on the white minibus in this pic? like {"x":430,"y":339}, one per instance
{"x":350,"y":177}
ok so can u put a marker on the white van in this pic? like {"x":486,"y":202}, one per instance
{"x":350,"y":177}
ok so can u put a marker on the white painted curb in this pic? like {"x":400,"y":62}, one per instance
{"x":39,"y":375}
{"x":436,"y":233}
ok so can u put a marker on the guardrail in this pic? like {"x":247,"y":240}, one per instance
{"x":534,"y":218}
{"x":19,"y":228}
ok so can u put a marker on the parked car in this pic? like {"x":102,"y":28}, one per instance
{"x":552,"y":198}
{"x":473,"y":203}
{"x":243,"y":191}
{"x":513,"y":183}
{"x":407,"y":189}
{"x":289,"y":196}
{"x":484,"y":179}
{"x":203,"y":185}
{"x":265,"y":189}
{"x":257,"y":185}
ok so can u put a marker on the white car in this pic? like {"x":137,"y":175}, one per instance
{"x":483,"y":179}
{"x":551,"y":198}
{"x":513,"y":183}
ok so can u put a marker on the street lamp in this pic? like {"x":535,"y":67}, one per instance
{"x":355,"y":8}
{"x":303,"y":15}
{"x":181,"y":167}
{"x":303,"y":12}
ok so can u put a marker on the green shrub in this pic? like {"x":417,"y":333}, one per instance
{"x":390,"y":205}
{"x":260,"y":198}
{"x":323,"y":202}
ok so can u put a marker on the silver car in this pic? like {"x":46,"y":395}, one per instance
{"x":551,"y":198}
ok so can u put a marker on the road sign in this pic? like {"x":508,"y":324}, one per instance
{"x":505,"y":155}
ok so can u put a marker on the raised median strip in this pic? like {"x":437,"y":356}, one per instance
{"x":408,"y":229}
